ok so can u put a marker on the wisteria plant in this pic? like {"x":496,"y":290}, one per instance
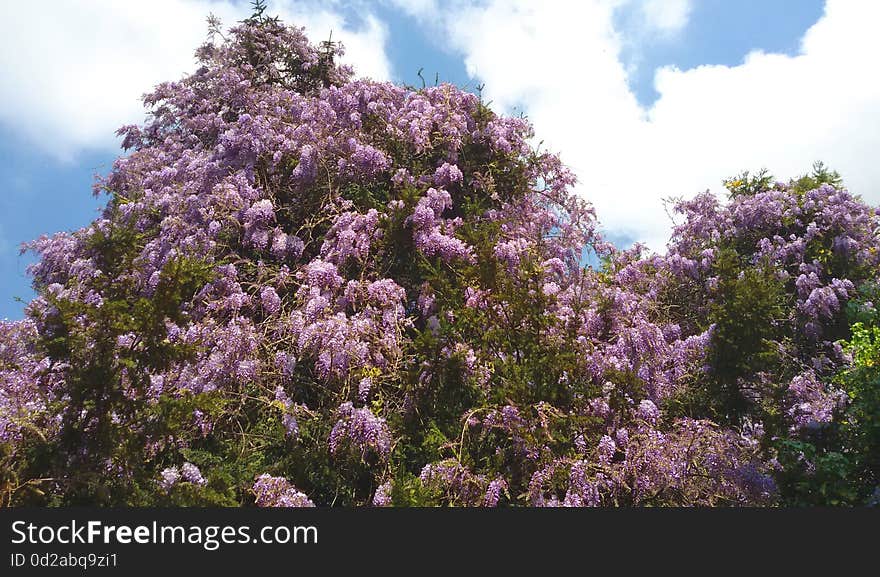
{"x":309,"y":289}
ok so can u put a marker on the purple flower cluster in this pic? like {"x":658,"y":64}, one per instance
{"x":362,"y":430}
{"x":351,"y":236}
{"x":173,"y":475}
{"x":811,"y":402}
{"x":432,"y":234}
{"x":344,"y":325}
{"x":278,"y":492}
{"x":382,"y":497}
{"x":270,"y":300}
{"x":460,"y":486}
{"x":28,"y":383}
{"x":288,"y":417}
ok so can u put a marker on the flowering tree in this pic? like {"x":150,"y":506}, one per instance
{"x":780,"y":273}
{"x":308,"y":289}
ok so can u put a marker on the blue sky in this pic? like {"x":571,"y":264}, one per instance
{"x":586,"y":78}
{"x":723,"y":32}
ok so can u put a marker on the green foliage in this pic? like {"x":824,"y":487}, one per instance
{"x":747,"y":313}
{"x":748,"y":184}
{"x":862,"y":383}
{"x":819,"y":175}
{"x":811,"y":474}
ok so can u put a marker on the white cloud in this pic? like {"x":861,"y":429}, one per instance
{"x":561,"y":62}
{"x":417,"y":8}
{"x":72,"y":72}
{"x":666,"y":16}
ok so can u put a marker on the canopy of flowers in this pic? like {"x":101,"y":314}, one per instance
{"x":310,"y":289}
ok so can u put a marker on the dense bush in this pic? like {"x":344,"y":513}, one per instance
{"x":781,"y":272}
{"x":307,"y":289}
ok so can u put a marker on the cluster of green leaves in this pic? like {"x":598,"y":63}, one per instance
{"x":860,"y":434}
{"x":748,"y":314}
{"x":747,"y":184}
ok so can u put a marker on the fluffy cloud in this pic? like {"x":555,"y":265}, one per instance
{"x":73,"y":74}
{"x":666,"y":16}
{"x":561,"y":62}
